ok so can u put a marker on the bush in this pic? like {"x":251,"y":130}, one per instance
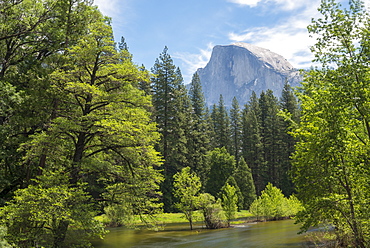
{"x":212,"y":211}
{"x":272,"y":205}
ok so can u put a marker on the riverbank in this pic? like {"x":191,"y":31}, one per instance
{"x":169,"y":218}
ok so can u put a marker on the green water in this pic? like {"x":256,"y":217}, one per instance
{"x":265,"y":234}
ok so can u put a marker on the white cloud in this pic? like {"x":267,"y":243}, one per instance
{"x":194,"y":61}
{"x":288,"y":38}
{"x":250,"y":3}
{"x":283,"y":4}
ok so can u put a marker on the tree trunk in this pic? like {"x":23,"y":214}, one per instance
{"x":60,"y":233}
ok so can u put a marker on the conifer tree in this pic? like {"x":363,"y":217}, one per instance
{"x":271,"y":137}
{"x":221,"y":125}
{"x":289,"y":106}
{"x":171,"y":113}
{"x":232,"y":182}
{"x":235,"y":128}
{"x":199,"y":140}
{"x":252,"y":149}
{"x":244,"y":180}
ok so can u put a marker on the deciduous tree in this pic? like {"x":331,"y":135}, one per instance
{"x":331,"y":163}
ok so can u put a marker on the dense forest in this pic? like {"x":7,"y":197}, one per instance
{"x":84,"y":131}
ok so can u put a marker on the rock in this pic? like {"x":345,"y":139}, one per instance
{"x":241,"y":68}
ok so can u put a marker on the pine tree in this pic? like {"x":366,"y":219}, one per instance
{"x":221,"y":125}
{"x":235,"y":128}
{"x":288,"y":103}
{"x":232,"y":182}
{"x":252,"y":149}
{"x":172,"y":108}
{"x":199,"y":140}
{"x":244,"y":180}
{"x":271,"y":136}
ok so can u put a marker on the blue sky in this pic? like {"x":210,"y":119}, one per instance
{"x":191,"y":28}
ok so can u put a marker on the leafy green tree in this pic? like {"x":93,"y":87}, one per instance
{"x":34,"y":40}
{"x":40,"y":214}
{"x":232,"y":182}
{"x":211,"y":210}
{"x":244,"y":179}
{"x":3,"y":242}
{"x":271,"y":204}
{"x":229,"y":202}
{"x":99,"y":129}
{"x":187,"y":187}
{"x":222,"y":166}
{"x":331,"y":165}
{"x":133,"y":196}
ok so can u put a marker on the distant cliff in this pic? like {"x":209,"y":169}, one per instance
{"x":240,"y":68}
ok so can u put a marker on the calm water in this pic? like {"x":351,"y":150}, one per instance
{"x":266,"y":234}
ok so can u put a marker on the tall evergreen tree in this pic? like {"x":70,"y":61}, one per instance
{"x":221,"y":125}
{"x":199,"y":140}
{"x":271,"y":137}
{"x":244,"y":179}
{"x":289,"y":105}
{"x":235,"y":128}
{"x":252,"y":149}
{"x":171,"y":105}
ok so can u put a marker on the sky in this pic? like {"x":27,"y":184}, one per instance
{"x":191,"y":28}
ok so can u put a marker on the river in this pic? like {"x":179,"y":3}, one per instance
{"x":272,"y":234}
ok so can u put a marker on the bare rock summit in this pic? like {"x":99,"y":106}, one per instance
{"x":241,"y":68}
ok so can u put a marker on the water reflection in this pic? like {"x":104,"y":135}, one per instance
{"x":266,"y":234}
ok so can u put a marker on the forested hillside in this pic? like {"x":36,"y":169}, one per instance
{"x":84,"y":132}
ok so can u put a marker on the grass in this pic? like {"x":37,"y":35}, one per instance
{"x":167,"y":218}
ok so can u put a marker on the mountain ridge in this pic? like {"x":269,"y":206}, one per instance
{"x":241,"y":68}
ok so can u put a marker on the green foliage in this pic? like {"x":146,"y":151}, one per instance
{"x":3,"y":242}
{"x":331,"y":165}
{"x":273,"y":205}
{"x":131,"y":196}
{"x":34,"y":38}
{"x":252,"y":147}
{"x":244,"y":180}
{"x":39,"y":214}
{"x":186,"y":188}
{"x":290,"y":113}
{"x":222,"y":166}
{"x":212,"y":211}
{"x":172,"y":108}
{"x":235,"y":129}
{"x":199,"y":136}
{"x":221,"y":126}
{"x":92,"y":133}
{"x":229,"y":202}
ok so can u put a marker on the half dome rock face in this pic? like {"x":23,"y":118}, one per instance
{"x":241,"y":68}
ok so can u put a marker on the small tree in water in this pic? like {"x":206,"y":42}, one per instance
{"x":187,"y":186}
{"x":229,"y":202}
